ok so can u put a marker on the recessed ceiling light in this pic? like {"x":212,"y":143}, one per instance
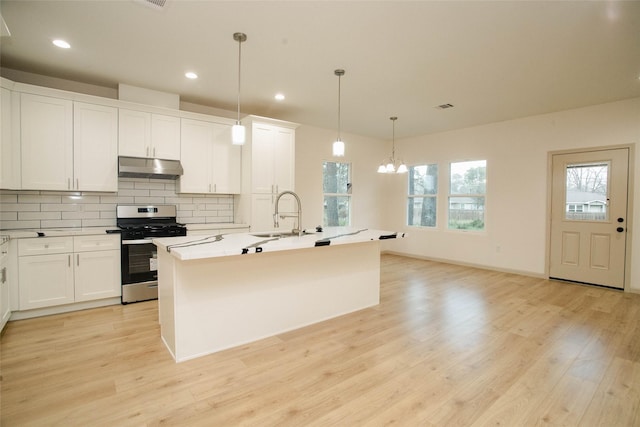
{"x":279,"y":97}
{"x":61,"y":43}
{"x":191,"y":75}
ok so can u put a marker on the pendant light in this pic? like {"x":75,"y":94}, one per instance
{"x":338,"y":145}
{"x":390,"y":166}
{"x":238,"y":131}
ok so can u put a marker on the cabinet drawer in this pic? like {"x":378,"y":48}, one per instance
{"x":45,"y":245}
{"x":96,"y":243}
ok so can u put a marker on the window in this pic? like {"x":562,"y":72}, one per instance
{"x":423,"y":192}
{"x":587,"y":186}
{"x":336,"y":186}
{"x":467,"y":189}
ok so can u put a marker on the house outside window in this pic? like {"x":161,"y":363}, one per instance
{"x":467,"y":191}
{"x":422,"y":195}
{"x":336,"y":186}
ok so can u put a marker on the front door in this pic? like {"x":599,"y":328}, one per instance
{"x":589,"y":217}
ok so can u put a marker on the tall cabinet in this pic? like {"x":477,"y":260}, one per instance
{"x":269,"y":155}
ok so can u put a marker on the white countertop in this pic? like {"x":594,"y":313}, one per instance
{"x":201,"y":247}
{"x":88,"y":231}
{"x":55,"y":232}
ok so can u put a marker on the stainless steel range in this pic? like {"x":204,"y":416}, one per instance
{"x":139,"y":225}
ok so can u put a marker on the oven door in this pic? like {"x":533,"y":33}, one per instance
{"x":139,"y":270}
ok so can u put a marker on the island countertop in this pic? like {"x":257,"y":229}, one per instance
{"x":220,"y":245}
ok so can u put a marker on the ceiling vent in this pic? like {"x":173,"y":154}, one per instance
{"x":153,"y":4}
{"x":444,"y":106}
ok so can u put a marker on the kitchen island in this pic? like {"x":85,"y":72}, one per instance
{"x":220,"y":291}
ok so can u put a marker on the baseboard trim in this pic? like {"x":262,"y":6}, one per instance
{"x":468,"y":264}
{"x":46,"y":311}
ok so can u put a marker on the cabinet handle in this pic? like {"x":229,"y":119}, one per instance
{"x":215,"y":188}
{"x":78,"y":260}
{"x":154,"y":151}
{"x":3,"y":275}
{"x":77,"y":183}
{"x":69,"y":260}
{"x":147,"y":152}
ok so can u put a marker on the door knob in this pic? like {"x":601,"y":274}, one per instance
{"x":619,"y":229}
{"x":620,"y":219}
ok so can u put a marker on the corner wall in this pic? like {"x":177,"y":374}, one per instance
{"x":516,"y":205}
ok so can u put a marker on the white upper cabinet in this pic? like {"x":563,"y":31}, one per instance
{"x":149,"y":135}
{"x":9,"y":140}
{"x":211,"y":163}
{"x":95,"y":147}
{"x":67,"y":145}
{"x":272,"y":152}
{"x":46,"y":129}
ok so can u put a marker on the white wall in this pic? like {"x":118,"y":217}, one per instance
{"x":313,"y":146}
{"x":517,"y":164}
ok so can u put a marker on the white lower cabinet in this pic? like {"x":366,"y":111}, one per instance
{"x":5,"y":303}
{"x":45,"y":280}
{"x":97,"y":275}
{"x":63,"y":270}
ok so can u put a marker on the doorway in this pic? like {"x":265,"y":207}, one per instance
{"x":589,"y":214}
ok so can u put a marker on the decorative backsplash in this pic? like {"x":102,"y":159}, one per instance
{"x":50,"y":209}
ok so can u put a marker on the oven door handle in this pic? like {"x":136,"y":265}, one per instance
{"x":138,"y":242}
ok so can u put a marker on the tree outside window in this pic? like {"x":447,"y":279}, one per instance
{"x":336,"y":185}
{"x":467,"y":190}
{"x":422,"y":197}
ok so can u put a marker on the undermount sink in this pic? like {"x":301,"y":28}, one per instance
{"x":274,"y":234}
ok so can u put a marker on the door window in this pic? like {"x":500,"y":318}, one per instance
{"x":586,"y":189}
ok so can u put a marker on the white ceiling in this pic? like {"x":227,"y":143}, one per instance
{"x":493,"y":61}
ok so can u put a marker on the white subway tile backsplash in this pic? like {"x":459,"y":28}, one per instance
{"x":66,"y":223}
{"x":148,"y":200}
{"x":59,"y":207}
{"x":80,"y":215}
{"x":20,"y":207}
{"x":47,"y":209}
{"x":8,"y":216}
{"x":33,"y":198}
{"x":27,"y":216}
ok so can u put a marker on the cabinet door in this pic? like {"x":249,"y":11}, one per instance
{"x":165,"y":137}
{"x":262,"y":212}
{"x":226,"y":162}
{"x":196,"y":151}
{"x":9,"y":140}
{"x":95,"y":147}
{"x":284,"y":159}
{"x":134,"y":133}
{"x":45,"y":280}
{"x":97,"y":275}
{"x":262,"y":142}
{"x":5,"y":304}
{"x":46,"y":128}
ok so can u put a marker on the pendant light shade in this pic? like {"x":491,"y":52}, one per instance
{"x":338,"y":148}
{"x":390,"y":165}
{"x":238,"y":131}
{"x":338,"y":145}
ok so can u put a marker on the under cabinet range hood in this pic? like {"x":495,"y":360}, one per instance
{"x":137,"y":167}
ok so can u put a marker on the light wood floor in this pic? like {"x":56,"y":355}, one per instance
{"x":448,"y":345}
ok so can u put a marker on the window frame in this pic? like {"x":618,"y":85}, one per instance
{"x":348,"y":194}
{"x":483,"y":196}
{"x":411,"y":197}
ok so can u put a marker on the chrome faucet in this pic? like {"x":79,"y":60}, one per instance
{"x":276,"y":223}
